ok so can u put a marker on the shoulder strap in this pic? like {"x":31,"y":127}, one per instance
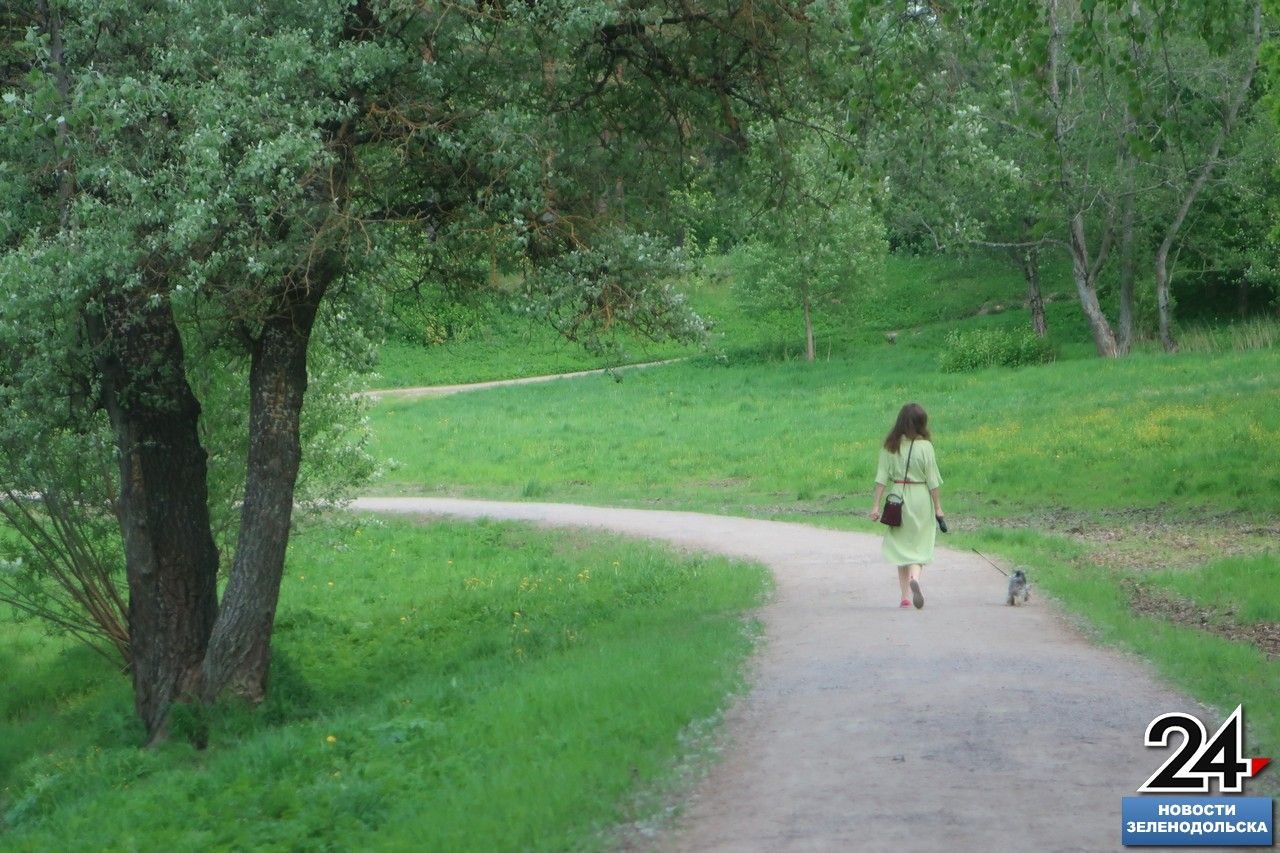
{"x":903,"y":490}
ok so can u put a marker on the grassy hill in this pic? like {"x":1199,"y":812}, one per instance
{"x":503,"y":344}
{"x":1142,"y":492}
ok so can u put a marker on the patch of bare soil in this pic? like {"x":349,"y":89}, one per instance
{"x":1152,"y":539}
{"x":1264,"y":635}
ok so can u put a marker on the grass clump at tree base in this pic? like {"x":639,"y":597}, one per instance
{"x":442,"y":687}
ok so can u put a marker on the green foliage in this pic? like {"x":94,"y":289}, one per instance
{"x":232,"y":161}
{"x":1013,"y":123}
{"x":916,"y":291}
{"x":824,"y":260}
{"x":435,"y":319}
{"x":485,"y":686}
{"x":977,"y":349}
{"x":66,"y":563}
{"x":834,"y":255}
{"x":622,"y":281}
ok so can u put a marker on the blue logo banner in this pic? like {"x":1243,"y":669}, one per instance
{"x":1197,"y":821}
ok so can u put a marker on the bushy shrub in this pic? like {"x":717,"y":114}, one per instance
{"x":979,"y":348}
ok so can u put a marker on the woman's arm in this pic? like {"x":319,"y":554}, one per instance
{"x":875,"y":502}
{"x":934,"y":479}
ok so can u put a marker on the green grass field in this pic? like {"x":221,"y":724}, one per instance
{"x":1148,"y":432}
{"x":456,"y":686}
{"x":1157,"y":471}
{"x":436,"y":687}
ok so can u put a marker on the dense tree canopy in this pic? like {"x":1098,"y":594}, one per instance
{"x":199,"y":185}
{"x":203,"y":205}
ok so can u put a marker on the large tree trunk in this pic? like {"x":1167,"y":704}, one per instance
{"x":809,"y":351}
{"x":1104,"y":339}
{"x":239,"y":655}
{"x":170,"y":557}
{"x":171,"y":561}
{"x":1030,"y":262}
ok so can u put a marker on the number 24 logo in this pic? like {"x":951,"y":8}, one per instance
{"x":1196,"y":762}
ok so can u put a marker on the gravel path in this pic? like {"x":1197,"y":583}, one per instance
{"x":968,"y":725}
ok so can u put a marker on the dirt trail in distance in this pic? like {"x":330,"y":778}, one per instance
{"x":442,"y":390}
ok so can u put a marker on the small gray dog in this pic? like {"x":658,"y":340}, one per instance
{"x":1019,"y":588}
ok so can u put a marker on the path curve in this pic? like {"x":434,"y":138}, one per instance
{"x":442,"y":390}
{"x":967,"y":726}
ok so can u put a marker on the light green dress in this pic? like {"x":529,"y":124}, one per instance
{"x":913,"y":541}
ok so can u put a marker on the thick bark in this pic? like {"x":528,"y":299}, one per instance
{"x":239,"y":655}
{"x":170,"y":557}
{"x":1030,"y":262}
{"x":171,"y":561}
{"x":809,"y":351}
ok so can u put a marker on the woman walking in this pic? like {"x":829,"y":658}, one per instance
{"x":908,"y":468}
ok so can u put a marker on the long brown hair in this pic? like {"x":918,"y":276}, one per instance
{"x":913,"y":422}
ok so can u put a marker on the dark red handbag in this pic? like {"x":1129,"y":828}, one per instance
{"x":892,"y":512}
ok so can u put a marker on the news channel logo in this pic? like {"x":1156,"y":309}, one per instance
{"x":1169,"y":816}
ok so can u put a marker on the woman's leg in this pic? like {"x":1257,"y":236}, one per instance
{"x":904,"y":582}
{"x":913,"y":582}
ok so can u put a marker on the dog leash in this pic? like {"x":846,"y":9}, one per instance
{"x":988,"y":559}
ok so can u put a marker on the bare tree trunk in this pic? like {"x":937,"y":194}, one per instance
{"x":1084,"y":271}
{"x":1085,"y":276}
{"x":1030,"y":263}
{"x":809,"y":351}
{"x":1164,"y":308}
{"x":170,"y":557}
{"x":239,"y":656}
{"x":1125,"y":342}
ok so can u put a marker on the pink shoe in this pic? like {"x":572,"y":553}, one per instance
{"x":906,"y":602}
